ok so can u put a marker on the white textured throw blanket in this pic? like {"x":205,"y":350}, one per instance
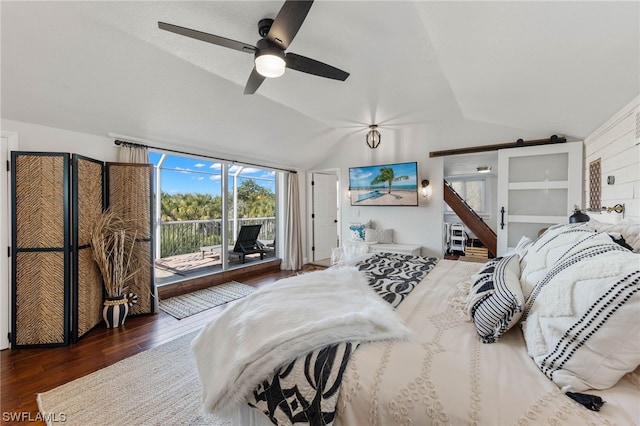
{"x":282,"y":321}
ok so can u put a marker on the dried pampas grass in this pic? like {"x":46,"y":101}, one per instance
{"x":113,"y":241}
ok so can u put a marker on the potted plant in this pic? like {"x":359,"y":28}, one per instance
{"x":114,"y":250}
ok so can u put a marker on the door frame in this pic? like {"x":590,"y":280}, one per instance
{"x":310,"y":207}
{"x":11,"y":139}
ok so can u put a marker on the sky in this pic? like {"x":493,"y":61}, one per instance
{"x":202,"y":176}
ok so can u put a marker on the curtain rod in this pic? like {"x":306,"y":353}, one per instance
{"x":133,"y":144}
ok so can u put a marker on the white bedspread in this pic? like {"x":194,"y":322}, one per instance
{"x":279,"y":322}
{"x":445,"y":375}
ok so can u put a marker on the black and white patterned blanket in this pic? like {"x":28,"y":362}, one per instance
{"x":305,"y":391}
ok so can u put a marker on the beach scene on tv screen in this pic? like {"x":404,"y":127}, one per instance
{"x":384,"y":185}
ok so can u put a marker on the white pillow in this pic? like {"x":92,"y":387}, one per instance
{"x":630,"y":231}
{"x":495,"y":300}
{"x":581,"y":321}
{"x":523,"y":246}
{"x":385,"y":236}
{"x":371,"y":235}
{"x":546,"y":250}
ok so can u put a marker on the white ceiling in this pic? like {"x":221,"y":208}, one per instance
{"x":105,"y":67}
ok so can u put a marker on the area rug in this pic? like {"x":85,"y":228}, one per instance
{"x":200,"y":300}
{"x":157,"y":387}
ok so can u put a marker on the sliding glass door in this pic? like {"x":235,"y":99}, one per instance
{"x":201,"y":207}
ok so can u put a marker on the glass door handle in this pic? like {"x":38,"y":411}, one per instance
{"x":502,"y":217}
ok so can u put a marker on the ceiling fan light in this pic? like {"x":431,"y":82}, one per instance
{"x":270,"y":65}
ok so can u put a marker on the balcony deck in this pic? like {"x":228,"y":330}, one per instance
{"x":192,"y":265}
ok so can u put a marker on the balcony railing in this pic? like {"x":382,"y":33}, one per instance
{"x":187,"y":236}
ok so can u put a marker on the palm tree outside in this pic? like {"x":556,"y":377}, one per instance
{"x":192,"y":207}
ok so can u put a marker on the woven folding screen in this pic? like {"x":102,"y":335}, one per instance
{"x":87,"y":193}
{"x":41,"y":255}
{"x":56,"y":286}
{"x":129,"y":193}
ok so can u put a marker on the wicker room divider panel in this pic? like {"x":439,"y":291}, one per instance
{"x":88,"y":203}
{"x":40,"y":249}
{"x":129,"y":189}
{"x":56,"y":286}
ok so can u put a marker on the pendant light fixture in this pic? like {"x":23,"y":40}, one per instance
{"x":373,"y":137}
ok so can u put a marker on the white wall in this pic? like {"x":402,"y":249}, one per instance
{"x":617,"y":144}
{"x":34,"y":137}
{"x":413,"y":225}
{"x":421,"y":225}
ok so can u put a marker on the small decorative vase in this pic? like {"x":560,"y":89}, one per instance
{"x":115,"y":311}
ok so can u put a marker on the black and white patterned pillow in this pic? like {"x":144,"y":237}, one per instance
{"x":495,"y":300}
{"x":580,"y":322}
{"x":546,"y":250}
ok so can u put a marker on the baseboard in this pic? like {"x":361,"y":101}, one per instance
{"x":221,"y":277}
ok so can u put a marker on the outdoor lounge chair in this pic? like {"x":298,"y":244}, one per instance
{"x":247,"y":242}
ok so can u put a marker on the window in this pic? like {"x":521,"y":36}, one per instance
{"x":196,"y":200}
{"x":473,"y":191}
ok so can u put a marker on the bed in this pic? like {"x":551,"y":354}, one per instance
{"x":493,"y":344}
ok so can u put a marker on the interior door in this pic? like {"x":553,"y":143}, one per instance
{"x":538,"y":187}
{"x":325,"y":215}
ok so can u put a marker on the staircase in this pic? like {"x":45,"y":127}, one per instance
{"x":470,"y":218}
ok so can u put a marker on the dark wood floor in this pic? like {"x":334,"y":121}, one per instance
{"x":26,"y":372}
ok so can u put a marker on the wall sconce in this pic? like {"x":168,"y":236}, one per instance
{"x":349,"y":193}
{"x":578,"y":216}
{"x":483,"y":169}
{"x":618,"y":208}
{"x":425,"y":190}
{"x":373,"y":137}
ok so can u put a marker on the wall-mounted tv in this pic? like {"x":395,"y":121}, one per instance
{"x":384,"y":185}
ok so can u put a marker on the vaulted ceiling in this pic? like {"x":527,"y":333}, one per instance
{"x":105,"y":67}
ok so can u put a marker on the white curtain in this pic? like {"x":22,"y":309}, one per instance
{"x":292,"y":259}
{"x":130,"y":153}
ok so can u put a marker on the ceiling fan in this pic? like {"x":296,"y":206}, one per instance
{"x":270,"y":57}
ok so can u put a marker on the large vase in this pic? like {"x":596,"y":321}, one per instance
{"x":115,"y":311}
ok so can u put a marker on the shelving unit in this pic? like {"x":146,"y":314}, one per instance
{"x":458,"y":238}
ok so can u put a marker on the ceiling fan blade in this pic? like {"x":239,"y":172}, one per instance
{"x":255,"y":80}
{"x":209,"y":38}
{"x":288,"y":22}
{"x":311,"y":66}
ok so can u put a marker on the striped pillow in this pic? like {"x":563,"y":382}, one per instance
{"x":495,"y":300}
{"x":581,"y":321}
{"x":546,"y":250}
